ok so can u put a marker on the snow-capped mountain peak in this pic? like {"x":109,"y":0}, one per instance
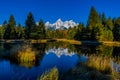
{"x":59,"y":20}
{"x":59,"y":24}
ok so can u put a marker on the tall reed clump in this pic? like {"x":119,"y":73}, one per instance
{"x":23,"y":53}
{"x":27,"y":55}
{"x":100,"y":63}
{"x":52,"y":74}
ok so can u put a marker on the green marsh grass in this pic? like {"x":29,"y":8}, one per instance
{"x":52,"y":74}
{"x":100,"y":63}
{"x":104,"y":65}
{"x":24,"y":55}
{"x":95,"y":68}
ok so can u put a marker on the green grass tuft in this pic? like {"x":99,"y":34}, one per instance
{"x":52,"y":74}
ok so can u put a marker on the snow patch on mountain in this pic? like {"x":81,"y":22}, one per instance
{"x":59,"y":24}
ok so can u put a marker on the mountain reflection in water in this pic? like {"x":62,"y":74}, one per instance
{"x":48,"y":55}
{"x":60,"y":52}
{"x":13,"y":69}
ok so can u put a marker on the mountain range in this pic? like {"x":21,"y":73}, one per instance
{"x":59,"y":24}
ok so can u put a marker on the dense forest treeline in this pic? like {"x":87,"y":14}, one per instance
{"x":98,"y":28}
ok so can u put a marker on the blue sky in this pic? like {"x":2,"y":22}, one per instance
{"x":51,"y":10}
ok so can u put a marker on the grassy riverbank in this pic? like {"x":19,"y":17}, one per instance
{"x":42,"y":41}
{"x":108,"y":43}
{"x":58,"y":40}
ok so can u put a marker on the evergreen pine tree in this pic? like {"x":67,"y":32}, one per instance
{"x":30,"y":24}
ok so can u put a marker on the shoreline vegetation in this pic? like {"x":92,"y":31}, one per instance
{"x":71,"y":41}
{"x":95,"y":68}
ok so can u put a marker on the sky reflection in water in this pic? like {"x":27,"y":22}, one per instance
{"x":63,"y":56}
{"x":60,"y":58}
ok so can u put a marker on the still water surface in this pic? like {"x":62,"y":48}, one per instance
{"x":61,"y":55}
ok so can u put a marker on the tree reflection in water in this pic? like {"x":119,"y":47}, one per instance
{"x":35,"y":55}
